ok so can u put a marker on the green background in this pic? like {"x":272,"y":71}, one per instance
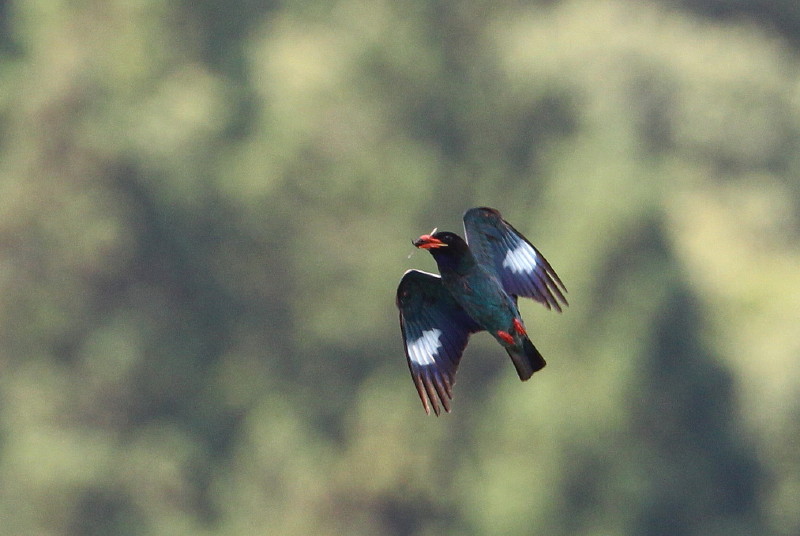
{"x":206,"y":206}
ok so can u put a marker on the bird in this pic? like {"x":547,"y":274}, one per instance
{"x":481,"y":279}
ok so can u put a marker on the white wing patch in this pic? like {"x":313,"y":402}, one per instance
{"x":521,"y":260}
{"x":422,"y":350}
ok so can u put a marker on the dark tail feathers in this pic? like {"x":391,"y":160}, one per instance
{"x":527,"y":359}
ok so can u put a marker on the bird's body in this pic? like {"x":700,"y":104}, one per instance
{"x":477,"y":291}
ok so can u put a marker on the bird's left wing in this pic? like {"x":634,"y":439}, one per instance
{"x":519,"y":266}
{"x":435,"y":332}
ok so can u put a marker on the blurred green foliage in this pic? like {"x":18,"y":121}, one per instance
{"x":205,"y":208}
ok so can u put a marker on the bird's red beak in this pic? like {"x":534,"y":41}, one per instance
{"x":427,"y":241}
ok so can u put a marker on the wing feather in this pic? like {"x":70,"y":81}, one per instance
{"x":435,"y":332}
{"x":520,"y":267}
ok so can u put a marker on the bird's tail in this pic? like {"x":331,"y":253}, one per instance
{"x":526,"y":358}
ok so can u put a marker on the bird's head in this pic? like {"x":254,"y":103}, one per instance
{"x":448,"y":249}
{"x":440,"y":239}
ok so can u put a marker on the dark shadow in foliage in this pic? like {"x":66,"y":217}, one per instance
{"x":192,"y":310}
{"x":782,"y":15}
{"x":587,"y":486}
{"x":642,"y":250}
{"x":180,"y":250}
{"x":171,"y":260}
{"x":326,"y":384}
{"x":191,"y":318}
{"x":550,"y":118}
{"x":699,"y":468}
{"x":435,"y":117}
{"x":7,"y":43}
{"x":401,"y":513}
{"x":652,"y":99}
{"x":224,"y":27}
{"x":107,"y":512}
{"x":406,"y":517}
{"x":589,"y":481}
{"x":222,"y":35}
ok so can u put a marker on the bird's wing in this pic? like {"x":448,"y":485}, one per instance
{"x":519,"y":266}
{"x":435,"y":332}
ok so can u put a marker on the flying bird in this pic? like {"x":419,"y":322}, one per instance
{"x":481,"y":279}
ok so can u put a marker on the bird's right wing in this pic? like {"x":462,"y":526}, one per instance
{"x":519,"y":266}
{"x":435,"y":332}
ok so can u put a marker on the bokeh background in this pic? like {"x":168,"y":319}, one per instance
{"x":206,"y":206}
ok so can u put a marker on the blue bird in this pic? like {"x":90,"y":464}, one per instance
{"x":480,"y":281}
